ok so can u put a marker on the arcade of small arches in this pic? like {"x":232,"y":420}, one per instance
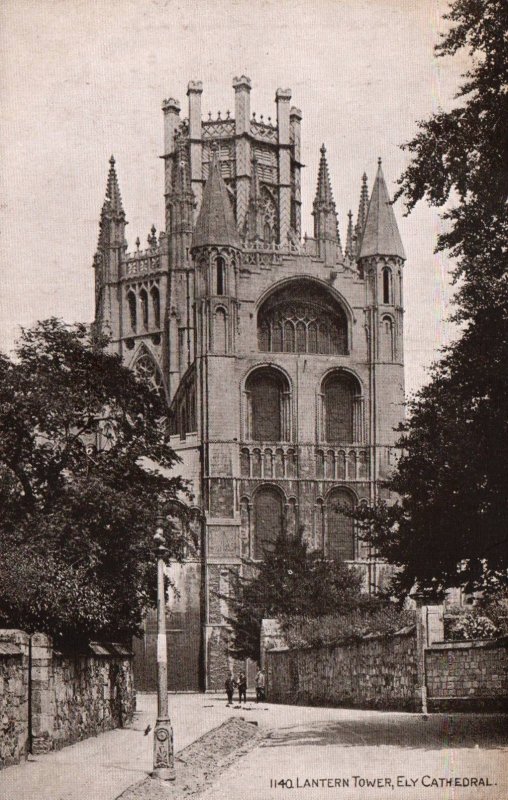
{"x":268,"y":515}
{"x":144,"y":306}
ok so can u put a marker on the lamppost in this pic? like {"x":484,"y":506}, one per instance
{"x":163,"y":755}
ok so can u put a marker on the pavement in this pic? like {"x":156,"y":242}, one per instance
{"x":321,"y":752}
{"x":102,"y":767}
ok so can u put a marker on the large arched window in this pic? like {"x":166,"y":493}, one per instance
{"x":302,"y":318}
{"x":131,"y":300}
{"x":268,"y":519}
{"x":267,"y":395}
{"x":340,"y":409}
{"x":340,"y":538}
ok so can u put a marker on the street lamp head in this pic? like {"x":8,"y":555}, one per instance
{"x":159,"y":538}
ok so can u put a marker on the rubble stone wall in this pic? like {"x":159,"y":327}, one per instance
{"x":376,"y":672}
{"x":13,"y":696}
{"x":68,"y":696}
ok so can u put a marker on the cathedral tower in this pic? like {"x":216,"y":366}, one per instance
{"x":281,"y":360}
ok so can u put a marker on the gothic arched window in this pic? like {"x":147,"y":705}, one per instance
{"x":267,"y":394}
{"x":147,"y":370}
{"x":131,"y":301}
{"x":156,"y":306}
{"x":268,"y":519}
{"x":143,"y":299}
{"x":220,"y":276}
{"x":339,"y":399}
{"x":302,"y":318}
{"x":340,"y":538}
{"x":387,"y":286}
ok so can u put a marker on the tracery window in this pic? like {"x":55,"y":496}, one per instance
{"x":147,"y":370}
{"x":302,"y":320}
{"x":269,"y":213}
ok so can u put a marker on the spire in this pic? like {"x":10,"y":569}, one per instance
{"x":112,"y":205}
{"x":324,"y":195}
{"x":362,"y":213}
{"x":215,"y":224}
{"x":350,"y":239}
{"x":381,"y":234}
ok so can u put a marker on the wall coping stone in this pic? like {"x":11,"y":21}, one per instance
{"x":470,"y":644}
{"x":347,"y":642}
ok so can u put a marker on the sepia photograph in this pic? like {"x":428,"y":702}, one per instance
{"x":253,"y":399}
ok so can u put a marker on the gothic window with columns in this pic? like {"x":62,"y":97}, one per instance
{"x":302,"y":319}
{"x":143,"y":299}
{"x":132,"y":304}
{"x":267,"y":395}
{"x":269,"y":215}
{"x":156,"y":306}
{"x":341,"y":409}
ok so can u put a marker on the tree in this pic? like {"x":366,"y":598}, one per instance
{"x":77,"y":522}
{"x":449,"y":527}
{"x":290,"y":581}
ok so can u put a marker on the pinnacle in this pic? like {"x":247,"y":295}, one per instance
{"x":324,"y":192}
{"x":113,"y":199}
{"x":215,"y":224}
{"x":380,"y":233}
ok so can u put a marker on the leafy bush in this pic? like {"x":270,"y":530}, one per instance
{"x":472,"y":625}
{"x":334,"y":628}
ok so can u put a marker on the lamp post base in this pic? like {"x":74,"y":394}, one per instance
{"x":163,"y":756}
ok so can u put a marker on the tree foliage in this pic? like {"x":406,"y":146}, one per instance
{"x":290,"y":581}
{"x":449,"y":527}
{"x":77,"y":522}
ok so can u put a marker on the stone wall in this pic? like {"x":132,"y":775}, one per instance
{"x":376,"y":672}
{"x":468,"y":671}
{"x":403,"y":671}
{"x":72,"y":694}
{"x":13,"y":696}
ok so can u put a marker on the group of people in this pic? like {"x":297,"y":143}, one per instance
{"x":240,"y":683}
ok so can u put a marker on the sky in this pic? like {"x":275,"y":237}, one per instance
{"x":82,"y":79}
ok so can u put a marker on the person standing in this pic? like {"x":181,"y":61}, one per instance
{"x":260,"y":686}
{"x":230,"y":687}
{"x":242,"y":687}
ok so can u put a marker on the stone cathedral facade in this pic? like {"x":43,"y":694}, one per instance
{"x":281,"y":359}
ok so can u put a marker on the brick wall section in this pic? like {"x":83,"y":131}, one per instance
{"x":468,"y":670}
{"x":377,"y":672}
{"x":13,"y":696}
